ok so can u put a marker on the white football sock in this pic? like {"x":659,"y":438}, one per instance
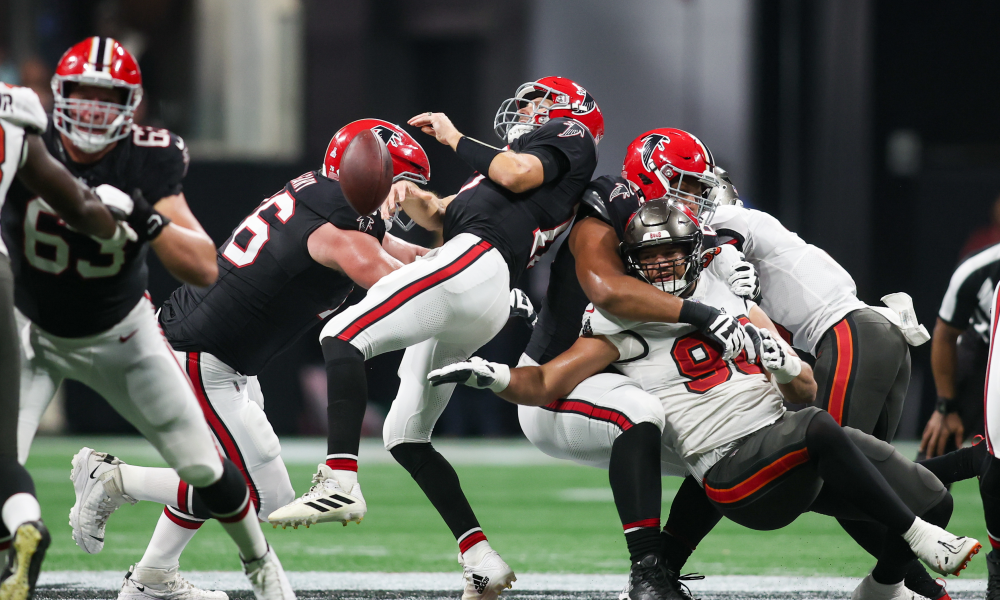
{"x":475,"y":555}
{"x":165,"y":547}
{"x":18,"y":509}
{"x":153,"y":484}
{"x":346,"y":479}
{"x":247,"y":534}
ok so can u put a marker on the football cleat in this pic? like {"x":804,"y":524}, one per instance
{"x":650,"y":580}
{"x":993,"y":573}
{"x":869,"y":589}
{"x":147,"y":583}
{"x":97,"y":481}
{"x":326,"y":501}
{"x":943,"y":552}
{"x":268,"y":578}
{"x":24,"y":561}
{"x":488,"y":579}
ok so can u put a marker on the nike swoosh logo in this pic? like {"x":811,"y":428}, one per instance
{"x":125,"y":338}
{"x":97,"y":538}
{"x":92,"y":477}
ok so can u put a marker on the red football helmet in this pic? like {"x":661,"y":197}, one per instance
{"x":519,"y":115}
{"x":658,"y":161}
{"x":90,"y":124}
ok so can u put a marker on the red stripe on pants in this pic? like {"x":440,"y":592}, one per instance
{"x":842,"y":370}
{"x":598,"y":413}
{"x":759,"y":479}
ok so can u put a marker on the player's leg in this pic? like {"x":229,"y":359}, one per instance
{"x":989,"y":481}
{"x":21,"y":527}
{"x":142,"y":379}
{"x":692,"y":516}
{"x":40,"y":378}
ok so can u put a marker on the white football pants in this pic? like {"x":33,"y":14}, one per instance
{"x":441,"y":308}
{"x":583,"y":426}
{"x":134,"y":369}
{"x":992,"y":396}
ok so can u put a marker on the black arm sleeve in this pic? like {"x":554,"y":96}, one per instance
{"x":554,"y":163}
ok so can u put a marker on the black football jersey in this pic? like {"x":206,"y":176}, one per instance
{"x":270,"y":291}
{"x":522,"y":226}
{"x":67,"y":283}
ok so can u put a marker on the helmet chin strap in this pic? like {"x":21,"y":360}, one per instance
{"x":517,"y":131}
{"x":86,"y":142}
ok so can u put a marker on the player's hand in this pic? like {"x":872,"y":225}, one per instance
{"x":743,"y":280}
{"x":939,"y":428}
{"x":726,"y":333}
{"x":475,"y":372}
{"x":520,"y":306}
{"x":776,"y":358}
{"x":438,"y":125}
{"x":398,"y":193}
{"x":119,"y":204}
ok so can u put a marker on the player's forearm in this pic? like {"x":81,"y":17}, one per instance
{"x":529,"y":387}
{"x":517,"y":172}
{"x":401,"y":250}
{"x":628,"y":298}
{"x":188,"y":255}
{"x":944,"y":358}
{"x":802,"y":389}
{"x":426,"y":210}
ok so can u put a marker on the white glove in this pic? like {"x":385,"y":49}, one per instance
{"x":743,"y":280}
{"x":475,"y":372}
{"x":727,"y":334}
{"x":777,"y":357}
{"x":118,"y":202}
{"x":520,"y":306}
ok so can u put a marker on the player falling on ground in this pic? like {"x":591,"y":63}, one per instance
{"x":23,"y":156}
{"x":760,"y":466}
{"x":863,"y":361}
{"x":445,"y":306}
{"x":83,"y":312}
{"x":286,"y":267}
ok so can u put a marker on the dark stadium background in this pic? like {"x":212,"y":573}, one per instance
{"x":868,"y":126}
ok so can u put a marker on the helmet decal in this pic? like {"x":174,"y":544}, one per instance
{"x":388,"y":136}
{"x":651,"y":143}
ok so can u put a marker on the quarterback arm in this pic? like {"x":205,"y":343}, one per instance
{"x":401,"y":250}
{"x":183,"y":246}
{"x":425,"y":208}
{"x":802,"y":388}
{"x":353,"y":253}
{"x":76,"y":204}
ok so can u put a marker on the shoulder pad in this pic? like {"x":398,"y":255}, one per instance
{"x":592,"y":198}
{"x":21,"y":106}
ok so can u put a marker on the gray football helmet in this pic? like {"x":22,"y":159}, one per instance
{"x":724,"y":193}
{"x":657,"y":223}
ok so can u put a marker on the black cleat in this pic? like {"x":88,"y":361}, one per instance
{"x":682,"y":589}
{"x":649,"y":580}
{"x":24,"y":561}
{"x":993,"y":569}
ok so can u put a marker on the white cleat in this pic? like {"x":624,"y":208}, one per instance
{"x":98,"y":484}
{"x":943,"y":552}
{"x":325,"y":502}
{"x":267,"y":578}
{"x":488,"y":579}
{"x":869,"y":589}
{"x":147,"y":583}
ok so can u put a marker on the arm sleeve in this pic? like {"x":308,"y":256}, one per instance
{"x":554,"y":163}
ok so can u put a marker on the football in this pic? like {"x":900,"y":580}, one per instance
{"x":366,"y":172}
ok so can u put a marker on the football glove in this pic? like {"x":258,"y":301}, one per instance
{"x":520,"y":306}
{"x":475,"y":372}
{"x":777,"y":357}
{"x":727,"y":333}
{"x":743,"y":280}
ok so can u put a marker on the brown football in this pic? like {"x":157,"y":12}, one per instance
{"x":366,"y":172}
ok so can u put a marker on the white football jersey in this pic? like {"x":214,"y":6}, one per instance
{"x":708,"y":402}
{"x":802,"y":288}
{"x":20,"y":112}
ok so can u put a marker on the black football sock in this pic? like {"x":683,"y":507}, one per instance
{"x":634,"y":474}
{"x":440,"y":484}
{"x":849,"y":474}
{"x":228,"y":499}
{"x":692,"y":516}
{"x":14,"y":479}
{"x":989,"y":491}
{"x":347,"y":399}
{"x":871,"y":537}
{"x":958,"y":465}
{"x":896,"y":559}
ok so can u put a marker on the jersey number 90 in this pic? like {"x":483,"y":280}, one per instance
{"x":700,"y":361}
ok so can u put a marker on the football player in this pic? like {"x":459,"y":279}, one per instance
{"x":83,"y":311}
{"x":446,"y":305}
{"x":23,"y":156}
{"x":759,"y":465}
{"x":286,"y":267}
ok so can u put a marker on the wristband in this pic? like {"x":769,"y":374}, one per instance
{"x":697,"y":314}
{"x":476,"y":154}
{"x":946,"y":405}
{"x":502,"y":380}
{"x":793,"y":366}
{"x":147,"y":222}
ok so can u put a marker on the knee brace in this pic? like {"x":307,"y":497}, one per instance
{"x":228,"y":498}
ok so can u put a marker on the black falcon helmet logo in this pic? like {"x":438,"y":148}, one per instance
{"x":587,"y":106}
{"x":651,"y":143}
{"x":388,"y":135}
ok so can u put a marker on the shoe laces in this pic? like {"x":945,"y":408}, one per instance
{"x":683,"y":589}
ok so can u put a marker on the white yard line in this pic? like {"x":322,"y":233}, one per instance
{"x":314,"y":580}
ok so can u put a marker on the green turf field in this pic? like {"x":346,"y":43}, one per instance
{"x":556,"y":518}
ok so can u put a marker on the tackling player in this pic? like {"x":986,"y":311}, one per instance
{"x":287,"y":266}
{"x":83,"y":312}
{"x":759,"y":465}
{"x":23,"y":156}
{"x":445,"y":306}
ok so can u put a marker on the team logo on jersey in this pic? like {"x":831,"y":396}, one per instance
{"x":650,"y":144}
{"x":388,"y":135}
{"x":621,"y":190}
{"x":366,"y":223}
{"x":573,"y":129}
{"x":709,"y":255}
{"x":6,"y":101}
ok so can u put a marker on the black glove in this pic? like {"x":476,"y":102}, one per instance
{"x":147,"y":222}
